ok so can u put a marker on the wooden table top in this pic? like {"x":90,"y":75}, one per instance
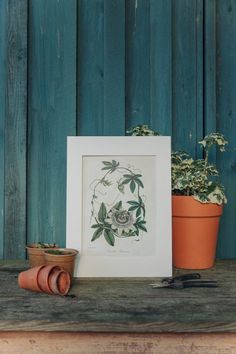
{"x":120,"y":305}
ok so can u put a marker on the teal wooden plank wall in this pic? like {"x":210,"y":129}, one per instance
{"x":98,"y":67}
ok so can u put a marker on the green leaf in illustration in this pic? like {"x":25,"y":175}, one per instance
{"x":97,"y":234}
{"x":133,"y":207}
{"x":132,"y":202}
{"x":107,"y":168}
{"x":142,"y":227}
{"x":129,"y":176}
{"x":115,"y":164}
{"x":126,"y":181}
{"x":107,"y":163}
{"x":102,"y":214}
{"x":121,"y":187}
{"x":118,"y":205}
{"x":138,"y":212}
{"x":132,"y":186}
{"x":95,"y":226}
{"x":109,"y":237}
{"x":139,"y":182}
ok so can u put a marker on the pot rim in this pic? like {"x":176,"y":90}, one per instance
{"x":72,"y":251}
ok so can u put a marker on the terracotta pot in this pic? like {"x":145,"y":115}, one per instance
{"x":29,"y":278}
{"x":44,"y":278}
{"x":195,"y":230}
{"x":66,"y":261}
{"x":60,"y":282}
{"x":36,"y":255}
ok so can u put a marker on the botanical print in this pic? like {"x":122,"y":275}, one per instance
{"x":118,"y":205}
{"x":122,"y":220}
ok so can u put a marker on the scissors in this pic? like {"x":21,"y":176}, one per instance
{"x":190,"y":280}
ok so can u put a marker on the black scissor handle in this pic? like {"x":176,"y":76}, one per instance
{"x":182,"y":277}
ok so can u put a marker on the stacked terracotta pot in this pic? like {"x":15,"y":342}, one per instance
{"x":50,"y":279}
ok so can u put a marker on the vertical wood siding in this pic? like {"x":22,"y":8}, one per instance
{"x":13,"y":121}
{"x":52,"y":114}
{"x":226,"y":116}
{"x":98,"y":67}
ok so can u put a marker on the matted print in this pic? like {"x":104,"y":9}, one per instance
{"x":118,"y":214}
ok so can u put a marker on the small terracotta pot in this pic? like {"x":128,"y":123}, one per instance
{"x":44,"y":278}
{"x":29,"y":278}
{"x":36,"y":255}
{"x":60,"y":282}
{"x":195,"y":230}
{"x":66,"y":261}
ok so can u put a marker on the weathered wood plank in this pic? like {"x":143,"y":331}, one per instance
{"x":187,"y":74}
{"x":3,"y":82}
{"x":122,"y":305}
{"x":90,"y":67}
{"x":114,"y":67}
{"x":52,"y":115}
{"x":15,"y":130}
{"x":161,"y":66}
{"x":84,"y":343}
{"x":137,"y":62}
{"x":226,"y":118}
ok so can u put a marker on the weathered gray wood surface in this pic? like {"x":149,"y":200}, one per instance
{"x":121,"y":305}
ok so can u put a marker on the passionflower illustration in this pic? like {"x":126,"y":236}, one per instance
{"x":121,"y":220}
{"x":127,"y":217}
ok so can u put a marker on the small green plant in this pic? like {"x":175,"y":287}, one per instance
{"x":194,"y":177}
{"x":142,"y":130}
{"x":58,"y":252}
{"x":45,"y":245}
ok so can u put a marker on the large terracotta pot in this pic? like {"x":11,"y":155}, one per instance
{"x":194,"y":231}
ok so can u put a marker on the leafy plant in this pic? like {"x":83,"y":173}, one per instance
{"x":194,"y":177}
{"x":44,"y":245}
{"x":58,"y":252}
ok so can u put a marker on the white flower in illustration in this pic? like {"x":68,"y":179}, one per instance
{"x":121,"y":221}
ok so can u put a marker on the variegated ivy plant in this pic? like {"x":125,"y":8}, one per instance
{"x":194,"y":177}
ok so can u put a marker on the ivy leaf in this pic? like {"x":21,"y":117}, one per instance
{"x":107,"y":163}
{"x":102,"y":214}
{"x":97,"y":234}
{"x":132,"y":186}
{"x":109,"y":237}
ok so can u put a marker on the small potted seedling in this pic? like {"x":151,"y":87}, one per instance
{"x":62,"y":257}
{"x":35,"y":252}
